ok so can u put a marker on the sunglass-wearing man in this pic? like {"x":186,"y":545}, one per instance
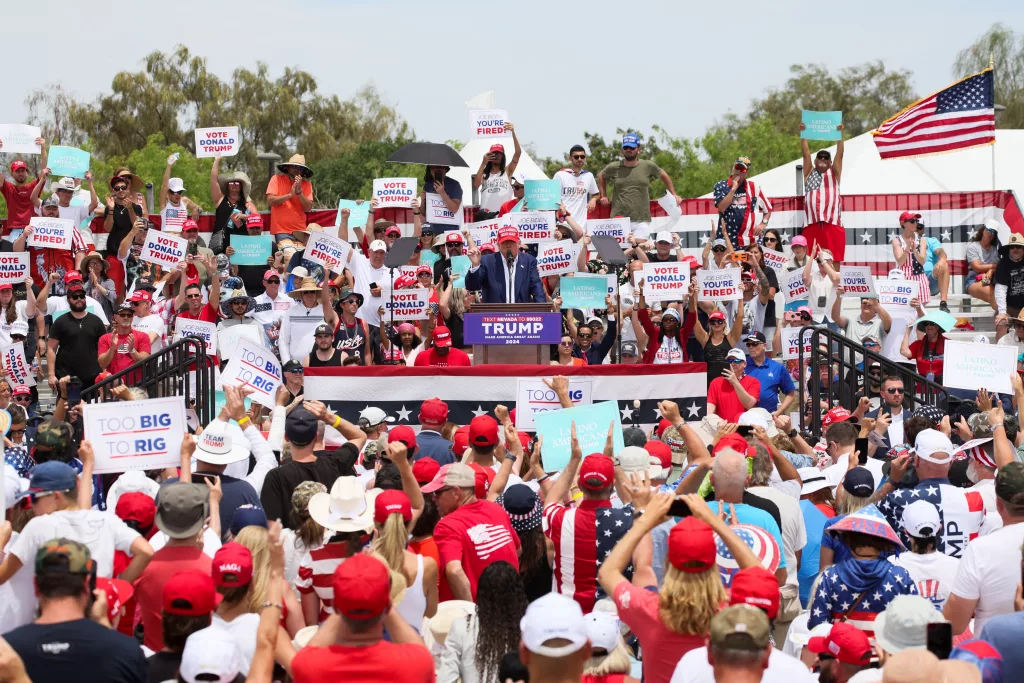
{"x":632,"y":178}
{"x":579,"y":187}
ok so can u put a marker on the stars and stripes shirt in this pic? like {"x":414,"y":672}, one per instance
{"x":173,"y":218}
{"x":316,"y":569}
{"x":822,"y":203}
{"x":583,"y":537}
{"x":739,"y":216}
{"x":961,"y":513}
{"x":835,"y":597}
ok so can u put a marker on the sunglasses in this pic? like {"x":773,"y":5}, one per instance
{"x":76,"y":297}
{"x":579,"y":156}
{"x":737,"y":361}
{"x":297,"y":371}
{"x":175,"y":193}
{"x":717,"y":322}
{"x":770,"y":240}
{"x":138,"y":303}
{"x":33,"y":498}
{"x":565,"y":343}
{"x":377,"y":231}
{"x":273,"y":281}
{"x":870,"y":344}
{"x":121,"y":188}
{"x":894,"y":390}
{"x":737,"y":167}
{"x":912,"y":221}
{"x":350,"y":301}
{"x":805,"y":316}
{"x":193,"y":296}
{"x":455,"y":245}
{"x":425,"y":275}
{"x":753,"y":343}
{"x":23,"y":399}
{"x":717,"y":248}
{"x":17,"y":431}
{"x":126,"y":315}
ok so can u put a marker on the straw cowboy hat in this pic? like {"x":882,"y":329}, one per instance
{"x":224,"y":178}
{"x":308,"y":285}
{"x":93,"y":255}
{"x":297,"y":161}
{"x":348,"y":507}
{"x":136,"y":181}
{"x":312,"y":227}
{"x":235,"y":290}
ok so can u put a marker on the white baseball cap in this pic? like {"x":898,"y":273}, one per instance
{"x":633,"y":459}
{"x":378,"y":245}
{"x":813,"y":479}
{"x":602,"y":630}
{"x":904,"y":623}
{"x":760,"y":417}
{"x":550,"y":617}
{"x":921,"y":519}
{"x":217,"y":445}
{"x":374,"y":416}
{"x":664,"y":236}
{"x":737,"y":354}
{"x":211,"y":653}
{"x":66,"y":183}
{"x":175,"y":185}
{"x":934,"y":446}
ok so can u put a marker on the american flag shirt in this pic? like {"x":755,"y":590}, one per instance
{"x":822,"y":203}
{"x":961,"y":513}
{"x":583,"y":537}
{"x":879,"y":581}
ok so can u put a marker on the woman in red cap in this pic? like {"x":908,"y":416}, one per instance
{"x":493,"y":176}
{"x":716,"y":342}
{"x":392,"y":520}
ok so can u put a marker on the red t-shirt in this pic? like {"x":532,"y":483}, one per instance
{"x":207,"y":314}
{"x":638,"y":609}
{"x":932,"y":363}
{"x":19,"y":203}
{"x":149,"y":587}
{"x":122,"y":358}
{"x":427,"y":548}
{"x":455,"y":358}
{"x":382,"y":661}
{"x":476,"y":534}
{"x":727,"y":403}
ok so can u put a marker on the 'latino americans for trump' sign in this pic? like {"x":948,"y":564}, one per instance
{"x":979,"y":366}
{"x":557,"y":258}
{"x":394,"y":192}
{"x":666,"y":281}
{"x":163,"y":249}
{"x":719,"y":285}
{"x":213,"y":141}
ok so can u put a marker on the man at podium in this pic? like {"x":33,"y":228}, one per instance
{"x":507,"y":276}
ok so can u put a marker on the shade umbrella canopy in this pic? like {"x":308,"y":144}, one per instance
{"x":428,"y":154}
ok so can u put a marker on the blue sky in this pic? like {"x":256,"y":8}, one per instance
{"x":559,"y":68}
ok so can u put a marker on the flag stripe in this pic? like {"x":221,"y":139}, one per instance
{"x":944,"y":122}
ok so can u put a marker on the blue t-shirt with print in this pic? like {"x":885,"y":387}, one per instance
{"x":734,"y":214}
{"x":933,"y":246}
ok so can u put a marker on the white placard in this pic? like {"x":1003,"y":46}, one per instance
{"x":408,"y":305}
{"x":791,"y":343}
{"x":50,"y":233}
{"x":666,"y":281}
{"x":228,"y":338}
{"x":534,"y":396}
{"x":483,"y":232}
{"x":329,"y":251}
{"x":612,"y":227}
{"x":719,"y":285}
{"x":224,"y":141}
{"x":135,"y":435}
{"x":857,"y":281}
{"x":895,"y":297}
{"x":17,"y":365}
{"x":163,"y":249}
{"x":535,"y":227}
{"x":967,"y":365}
{"x":437,"y":212}
{"x":13,"y":267}
{"x":184,"y":327}
{"x":394,"y":192}
{"x":487,"y":124}
{"x":301,"y":328}
{"x":19,"y":138}
{"x":254,"y":366}
{"x":775,"y":260}
{"x":557,"y":258}
{"x":794,"y":288}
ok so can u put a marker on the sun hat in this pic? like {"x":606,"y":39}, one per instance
{"x":94,"y":256}
{"x":299,"y":161}
{"x":868,"y":520}
{"x":813,"y":480}
{"x":348,"y":506}
{"x":238,"y":176}
{"x":523,"y":506}
{"x":308,"y":285}
{"x":903,"y":624}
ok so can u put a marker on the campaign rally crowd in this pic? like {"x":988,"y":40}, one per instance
{"x":292,"y":543}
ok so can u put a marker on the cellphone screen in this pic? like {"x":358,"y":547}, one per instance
{"x":940,"y":639}
{"x":744,"y":430}
{"x":679,"y":509}
{"x":862,"y":446}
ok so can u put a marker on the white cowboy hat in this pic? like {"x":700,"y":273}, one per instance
{"x":217,"y":447}
{"x":348,"y":507}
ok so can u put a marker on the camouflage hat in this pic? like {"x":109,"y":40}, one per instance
{"x":64,"y":556}
{"x":1010,"y":483}
{"x":740,"y":627}
{"x":303,"y":492}
{"x":54,"y":434}
{"x":978,"y":422}
{"x":674,"y":439}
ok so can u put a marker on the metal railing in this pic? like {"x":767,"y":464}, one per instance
{"x":181,"y":369}
{"x":843,"y":353}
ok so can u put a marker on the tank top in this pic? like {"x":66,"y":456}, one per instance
{"x":715,"y":355}
{"x":351,"y":340}
{"x":414,"y":600}
{"x":495,"y":190}
{"x":334,"y":362}
{"x":173,"y":217}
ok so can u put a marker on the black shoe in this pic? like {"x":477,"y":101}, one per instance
{"x":943,"y":306}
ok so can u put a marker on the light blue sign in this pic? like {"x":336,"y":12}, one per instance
{"x":360,"y":212}
{"x":67,"y":161}
{"x":460,"y":266}
{"x":591,"y":431}
{"x":251,"y":250}
{"x":428,"y":257}
{"x":821,"y":125}
{"x":583,"y":291}
{"x":543,"y":195}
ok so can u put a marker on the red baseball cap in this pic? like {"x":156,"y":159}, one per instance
{"x":460,"y":441}
{"x":190,"y":594}
{"x":405,"y":434}
{"x":907,"y":215}
{"x":136,"y":507}
{"x":253,"y":220}
{"x":735,"y":442}
{"x":434,"y":412}
{"x":393,"y":230}
{"x":442,"y":336}
{"x":425,"y":469}
{"x":15,"y":165}
{"x":388,"y":503}
{"x":72,"y":276}
{"x":663,"y":424}
{"x":508,"y":233}
{"x":483,"y":431}
{"x":118,"y":593}
{"x":362,"y":587}
{"x":661,"y":451}
{"x":482,"y":478}
{"x":424,"y":270}
{"x":141,"y":295}
{"x":5,"y":286}
{"x":232,"y":566}
{"x":21,"y":390}
{"x":846,"y":643}
{"x":524,"y":438}
{"x":405,"y":281}
{"x":453,"y":236}
{"x":269,"y":273}
{"x":691,"y":546}
{"x":597,"y":472}
{"x":497,"y":148}
{"x":488,"y":247}
{"x":837,"y":414}
{"x":717,"y":315}
{"x":189,"y":224}
{"x":758,"y":587}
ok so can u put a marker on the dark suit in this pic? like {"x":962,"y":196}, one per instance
{"x":491,"y":278}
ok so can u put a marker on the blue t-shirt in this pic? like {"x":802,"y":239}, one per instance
{"x":839,"y":550}
{"x":933,"y":246}
{"x":773,"y":378}
{"x":748,"y":514}
{"x":814,"y":523}
{"x":1005,"y":633}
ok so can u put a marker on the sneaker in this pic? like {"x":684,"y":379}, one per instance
{"x":943,"y":306}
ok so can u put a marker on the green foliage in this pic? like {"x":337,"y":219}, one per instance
{"x":350,"y":174}
{"x":1006,"y":49}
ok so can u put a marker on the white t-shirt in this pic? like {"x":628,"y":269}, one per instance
{"x":1011,"y":340}
{"x":987,"y":489}
{"x":17,"y":597}
{"x":151,"y":323}
{"x":576,"y":192}
{"x":933,"y":573}
{"x":794,"y":533}
{"x":56,"y":306}
{"x":822,"y":295}
{"x":989,"y":572}
{"x":782,"y":668}
{"x":668,"y":352}
{"x":102,"y":532}
{"x":243,"y":631}
{"x":76,"y":213}
{"x":5,"y":327}
{"x":495,"y":191}
{"x":365,"y":274}
{"x":837,"y":472}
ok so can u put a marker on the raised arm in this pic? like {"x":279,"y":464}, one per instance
{"x":330,"y":317}
{"x":837,"y":309}
{"x":510,"y":167}
{"x":736,"y":329}
{"x":805,"y":153}
{"x":837,"y":163}
{"x":38,"y":189}
{"x":561,"y":487}
{"x":215,"y":194}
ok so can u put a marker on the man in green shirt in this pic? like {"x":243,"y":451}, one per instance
{"x":632,"y":178}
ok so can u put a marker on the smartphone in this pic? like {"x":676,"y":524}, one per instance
{"x":862,"y":446}
{"x":744,"y":430}
{"x":679,"y":508}
{"x":373,"y":285}
{"x":74,"y":392}
{"x":939,"y":640}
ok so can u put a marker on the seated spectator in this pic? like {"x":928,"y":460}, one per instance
{"x":1009,"y":282}
{"x":982,"y":258}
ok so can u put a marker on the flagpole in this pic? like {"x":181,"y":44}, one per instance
{"x":991,"y":65}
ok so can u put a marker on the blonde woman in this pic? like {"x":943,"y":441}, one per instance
{"x":609,"y":661}
{"x":305,"y":533}
{"x":392,"y":515}
{"x":255,"y":539}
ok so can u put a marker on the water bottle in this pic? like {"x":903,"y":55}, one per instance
{"x":173,"y":158}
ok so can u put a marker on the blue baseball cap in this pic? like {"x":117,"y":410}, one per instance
{"x":248,"y":515}
{"x":630,"y":140}
{"x":52,"y":475}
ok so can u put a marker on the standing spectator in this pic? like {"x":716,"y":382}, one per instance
{"x":290,"y":196}
{"x":929,"y":351}
{"x":890,"y":416}
{"x":772,"y":376}
{"x":271,"y":311}
{"x":936,"y":267}
{"x":46,"y":261}
{"x":734,"y":393}
{"x":349,"y":332}
{"x":873,"y":322}
{"x":146,"y":322}
{"x":554,"y":644}
{"x":911,"y":251}
{"x":1009,"y":282}
{"x":843,"y":653}
{"x":632,"y":177}
{"x":230,"y":194}
{"x":453,"y":246}
{"x":471,"y":535}
{"x":437,"y":180}
{"x":188,"y":600}
{"x":17,"y":190}
{"x":73,"y":348}
{"x":738,"y":200}
{"x":579,"y":188}
{"x":100,"y":287}
{"x":586,"y":345}
{"x":442,"y":354}
{"x":236,"y":308}
{"x":716,"y":341}
{"x":492,"y":178}
{"x":174,"y":206}
{"x":525,"y":511}
{"x":370,"y":274}
{"x":663,"y":244}
{"x":814,"y":481}
{"x":251,"y":275}
{"x":120,"y":216}
{"x":932,"y":571}
{"x":433,"y":416}
{"x":64,"y":190}
{"x":823,"y":202}
{"x":122,"y":346}
{"x":982,"y":258}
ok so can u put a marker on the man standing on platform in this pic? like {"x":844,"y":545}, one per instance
{"x":822,"y":201}
{"x":491,"y":274}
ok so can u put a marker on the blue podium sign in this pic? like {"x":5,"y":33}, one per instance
{"x":512,"y":328}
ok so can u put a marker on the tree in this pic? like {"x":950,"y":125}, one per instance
{"x":350,"y":174}
{"x":1006,"y":50}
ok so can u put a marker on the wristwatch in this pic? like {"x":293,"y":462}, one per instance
{"x":509,"y":456}
{"x":793,"y":432}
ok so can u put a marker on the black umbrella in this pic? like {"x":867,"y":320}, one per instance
{"x":428,"y":154}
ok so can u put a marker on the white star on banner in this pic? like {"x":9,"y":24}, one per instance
{"x":785,"y":237}
{"x":694,"y":411}
{"x":946,"y":236}
{"x":479,"y":411}
{"x":704,"y":239}
{"x":914,"y":493}
{"x":403,"y":414}
{"x":877,"y":596}
{"x":845,"y":606}
{"x":627,"y":413}
{"x":891,"y":236}
{"x":817,"y":612}
{"x":866,"y":237}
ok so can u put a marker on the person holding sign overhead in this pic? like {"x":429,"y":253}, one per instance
{"x":823,"y":223}
{"x":508,"y":276}
{"x":17,"y":190}
{"x":493,"y":175}
{"x":717,"y":342}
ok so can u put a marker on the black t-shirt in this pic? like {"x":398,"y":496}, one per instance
{"x":163,"y":666}
{"x":654,"y":258}
{"x":1011,"y":275}
{"x":281,"y":481}
{"x":121,"y":227}
{"x":769,"y":310}
{"x":252,"y":278}
{"x":81,"y":651}
{"x":78,"y":352}
{"x":457,"y":326}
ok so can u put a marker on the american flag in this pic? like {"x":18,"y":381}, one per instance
{"x":958,"y":117}
{"x":961,"y":513}
{"x":174,"y":219}
{"x":822,"y":203}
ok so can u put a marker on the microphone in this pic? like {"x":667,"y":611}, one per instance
{"x":510,"y":257}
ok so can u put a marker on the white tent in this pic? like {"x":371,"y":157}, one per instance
{"x":474,"y":152}
{"x":864,"y":172}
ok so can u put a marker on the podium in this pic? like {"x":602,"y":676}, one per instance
{"x":513,"y":334}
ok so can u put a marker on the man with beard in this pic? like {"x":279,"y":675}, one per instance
{"x":632,"y":177}
{"x":324,"y":354}
{"x":17,"y":190}
{"x":73,"y":347}
{"x":442,"y":353}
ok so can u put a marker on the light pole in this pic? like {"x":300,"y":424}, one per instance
{"x":272,"y":160}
